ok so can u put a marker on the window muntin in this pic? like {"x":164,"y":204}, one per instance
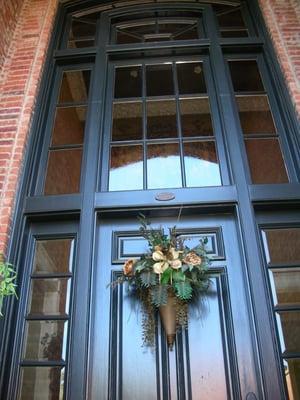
{"x":160,"y":126}
{"x":65,"y":152}
{"x":45,"y":342}
{"x":282,"y":254}
{"x":265,"y":159}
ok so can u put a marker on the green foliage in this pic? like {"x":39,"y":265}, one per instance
{"x":148,"y":279}
{"x":159,"y":295}
{"x":7,"y":279}
{"x":183,"y":290}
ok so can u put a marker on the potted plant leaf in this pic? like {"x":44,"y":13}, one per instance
{"x":7,"y":282}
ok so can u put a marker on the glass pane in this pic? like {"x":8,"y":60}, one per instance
{"x":124,"y":37}
{"x":245,"y":76}
{"x":163,"y":166}
{"x":41,"y":383}
{"x":232,"y":24}
{"x":82,"y":32}
{"x":201,"y":164}
{"x":283,"y":245}
{"x":159,"y":80}
{"x":68,"y":126}
{"x":53,"y":256}
{"x":234,"y":33}
{"x":161,"y":119}
{"x":195,"y":117}
{"x":126,"y":168}
{"x":63,"y":172}
{"x":75,"y":86}
{"x":190,"y":78}
{"x":178,"y":31}
{"x":292,"y":376}
{"x":127,"y":121}
{"x":128,"y":82}
{"x":289,"y":330}
{"x":255,"y":114}
{"x":285,"y":285}
{"x":265,"y":161}
{"x":45,"y":340}
{"x":48,"y":296}
{"x":191,"y":33}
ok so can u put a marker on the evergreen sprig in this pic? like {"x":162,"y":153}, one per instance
{"x":7,"y":282}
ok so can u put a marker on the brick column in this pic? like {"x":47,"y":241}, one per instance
{"x":20,"y":77}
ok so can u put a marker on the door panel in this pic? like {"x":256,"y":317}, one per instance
{"x":211,"y":360}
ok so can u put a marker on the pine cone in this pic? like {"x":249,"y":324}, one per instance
{"x":192,"y":259}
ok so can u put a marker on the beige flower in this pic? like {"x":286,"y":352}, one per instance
{"x":158,"y":248}
{"x":158,"y":256}
{"x":160,"y":267}
{"x":175,"y":264}
{"x":174,"y":253}
{"x":192,"y":259}
{"x":128,"y":267}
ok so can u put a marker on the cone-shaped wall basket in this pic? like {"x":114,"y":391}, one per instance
{"x":168,"y":319}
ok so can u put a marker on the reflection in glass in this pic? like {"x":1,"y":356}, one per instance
{"x":245,"y":76}
{"x":127,"y":121}
{"x":283,"y":245}
{"x":75,"y":86}
{"x":190,"y":78}
{"x":161,"y":119}
{"x":163,"y":166}
{"x":45,"y":340}
{"x":128,"y":82}
{"x":285,"y":283}
{"x":288,"y":323}
{"x":53,"y":256}
{"x":201,"y":164}
{"x":48,"y":296}
{"x":292,"y":376}
{"x":159,"y":80}
{"x":63,"y":172}
{"x":255,"y":114}
{"x":195,"y":117}
{"x":39,"y":383}
{"x":68,"y":126}
{"x":265,"y":161}
{"x":126,"y":168}
{"x":82,"y":31}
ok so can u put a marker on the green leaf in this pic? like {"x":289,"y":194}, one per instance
{"x":166,"y":276}
{"x":178,"y":276}
{"x":159,"y":295}
{"x":183,"y":290}
{"x":148,"y":278}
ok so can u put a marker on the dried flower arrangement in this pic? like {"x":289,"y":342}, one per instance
{"x":7,"y":278}
{"x":168,"y":278}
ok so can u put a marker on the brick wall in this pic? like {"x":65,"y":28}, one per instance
{"x":282,"y":18}
{"x":20,"y":78}
{"x":26,"y":27}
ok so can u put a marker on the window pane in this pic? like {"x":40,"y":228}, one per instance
{"x":191,"y":33}
{"x":190,"y":78}
{"x":63,"y":172}
{"x":201,"y":164}
{"x":195,"y":117}
{"x":75,"y":86}
{"x":159,"y":80}
{"x":230,"y":33}
{"x":48,"y":296}
{"x":283,"y":245}
{"x":68,"y":126}
{"x":45,"y":340}
{"x":126,"y":168}
{"x":245,"y":76}
{"x":289,"y":330}
{"x":255,"y":114}
{"x":124,"y":37}
{"x":39,"y":383}
{"x":53,"y":256}
{"x":82,"y":32}
{"x":163,"y":166}
{"x":161,"y":119}
{"x":292,"y":376}
{"x":232,"y":24}
{"x":285,"y":285}
{"x":265,"y":161}
{"x":128,"y":82}
{"x":127,"y":121}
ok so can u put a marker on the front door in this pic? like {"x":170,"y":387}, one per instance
{"x":211,"y":360}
